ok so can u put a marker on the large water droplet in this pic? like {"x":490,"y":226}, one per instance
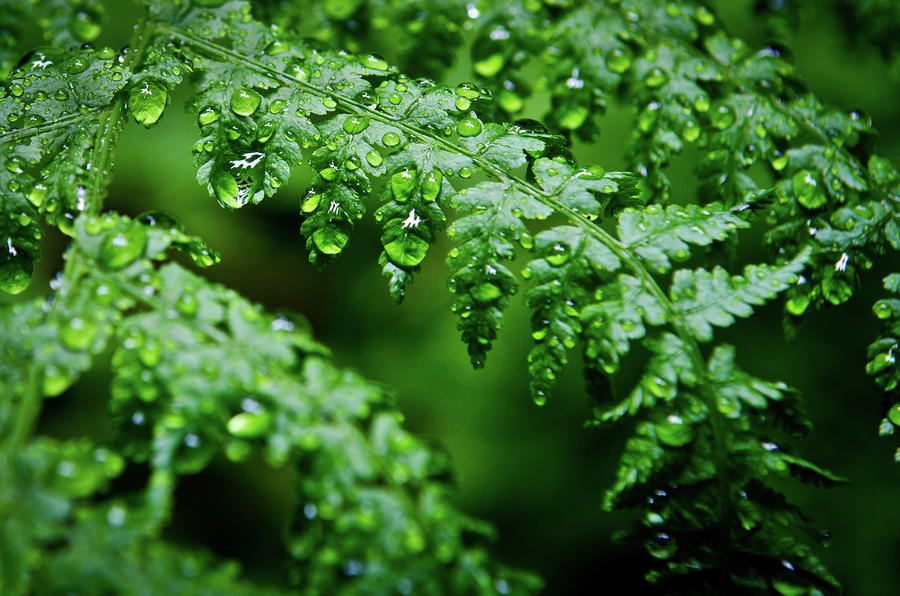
{"x":468,"y":127}
{"x":661,"y":546}
{"x":806,"y":190}
{"x":245,"y":101}
{"x":78,"y":335}
{"x":85,"y":24}
{"x":558,"y":255}
{"x":882,"y":309}
{"x":147,"y":100}
{"x":374,"y":158}
{"x":722,"y":117}
{"x":618,"y":60}
{"x":207,"y":115}
{"x":374,"y":61}
{"x":431,"y":185}
{"x":655,"y":77}
{"x":390,"y":139}
{"x":355,"y":124}
{"x":56,"y":380}
{"x":15,"y":268}
{"x":122,"y":247}
{"x":894,"y":414}
{"x":228,"y":193}
{"x":249,"y":425}
{"x":403,"y":183}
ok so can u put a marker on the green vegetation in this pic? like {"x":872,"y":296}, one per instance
{"x":790,"y":207}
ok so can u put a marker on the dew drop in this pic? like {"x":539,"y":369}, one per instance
{"x":655,"y":77}
{"x":247,"y":425}
{"x":355,"y":124}
{"x":245,"y":101}
{"x":207,"y":116}
{"x":375,"y":62}
{"x":468,"y":127}
{"x":431,"y":185}
{"x":147,"y":100}
{"x":16,"y":267}
{"x":722,"y":117}
{"x":122,"y":247}
{"x":374,"y":158}
{"x":390,"y":139}
{"x":85,"y":25}
{"x":618,"y":60}
{"x":403,"y":183}
{"x":558,"y":255}
{"x":78,"y":335}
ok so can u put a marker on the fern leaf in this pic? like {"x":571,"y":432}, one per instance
{"x":200,"y":371}
{"x":658,"y":234}
{"x":707,"y":299}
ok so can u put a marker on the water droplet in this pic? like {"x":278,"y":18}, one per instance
{"x":806,"y":190}
{"x":374,"y":158}
{"x":310,"y":202}
{"x":248,"y":425}
{"x":122,"y":247}
{"x":85,"y":24}
{"x":780,"y":161}
{"x":882,"y":309}
{"x":558,"y":255}
{"x":674,"y":432}
{"x":228,"y":193}
{"x":276,"y":47}
{"x":655,"y":77}
{"x":374,"y":61}
{"x":468,"y":127}
{"x":330,"y":240}
{"x":16,"y":267}
{"x":245,"y":101}
{"x":355,"y":124}
{"x":207,"y":116}
{"x":704,"y":16}
{"x":431,"y":185}
{"x":56,"y":380}
{"x":722,"y":117}
{"x":390,"y":139}
{"x":618,"y":60}
{"x":691,"y":131}
{"x":797,"y":304}
{"x":78,"y":335}
{"x":661,"y":546}
{"x":403,"y":183}
{"x":147,"y":100}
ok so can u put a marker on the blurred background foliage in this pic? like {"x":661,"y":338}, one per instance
{"x":536,"y":473}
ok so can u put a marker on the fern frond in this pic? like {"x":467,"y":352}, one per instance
{"x":200,"y":371}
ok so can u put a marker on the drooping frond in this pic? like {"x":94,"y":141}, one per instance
{"x":199,"y":371}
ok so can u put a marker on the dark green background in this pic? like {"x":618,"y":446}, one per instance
{"x":534,"y":472}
